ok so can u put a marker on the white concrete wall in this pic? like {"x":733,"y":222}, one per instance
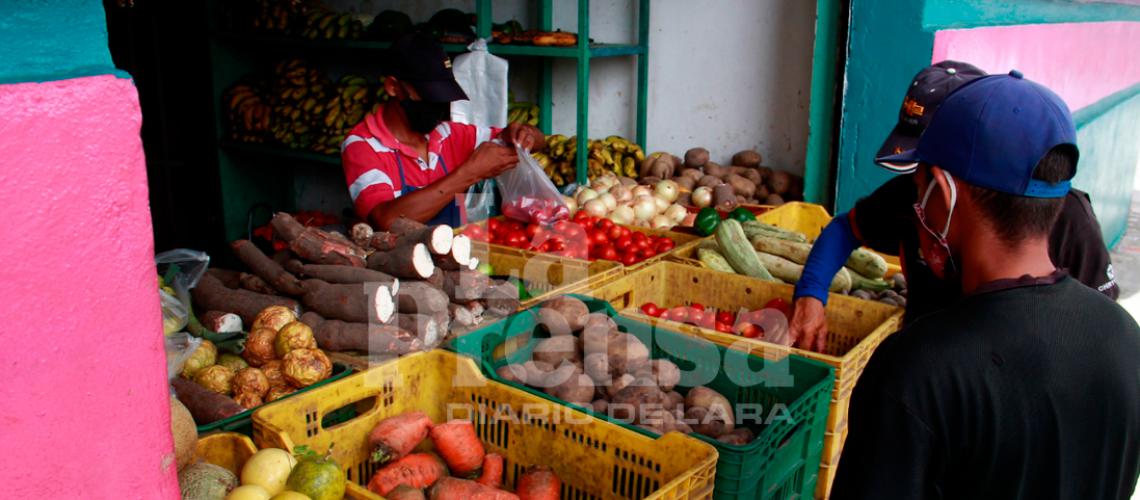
{"x":724,"y":74}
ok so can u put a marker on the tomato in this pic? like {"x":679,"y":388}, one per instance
{"x":646,"y":253}
{"x":698,"y":306}
{"x":623,"y":243}
{"x":580,"y":216}
{"x":723,"y":327}
{"x":709,"y":321}
{"x":599,"y":237}
{"x":532,"y":231}
{"x":664,"y":245}
{"x":651,"y":309}
{"x":639,"y":237}
{"x":629,"y":259}
{"x":726,"y":317}
{"x":679,"y":313}
{"x":696,"y":316}
{"x":614,"y":232}
{"x":779,"y":305}
{"x":608,"y":253}
{"x":494,"y":226}
{"x":751,"y":332}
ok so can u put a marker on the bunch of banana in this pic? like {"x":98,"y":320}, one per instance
{"x":523,"y":112}
{"x":300,"y":95}
{"x":322,"y":24}
{"x":558,"y":159}
{"x":249,"y":115}
{"x":274,"y":16}
{"x":617,"y":155}
{"x":352,"y":98}
{"x":613,"y":154}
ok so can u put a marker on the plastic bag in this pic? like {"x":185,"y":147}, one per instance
{"x":181,"y":269}
{"x":481,"y":201}
{"x":179,"y":347}
{"x":484,"y":78}
{"x":529,"y":195}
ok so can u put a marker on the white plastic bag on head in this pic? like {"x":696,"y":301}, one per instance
{"x":529,"y":195}
{"x":484,"y":78}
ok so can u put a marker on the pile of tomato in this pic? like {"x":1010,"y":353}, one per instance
{"x":745,"y":324}
{"x":582,"y":237}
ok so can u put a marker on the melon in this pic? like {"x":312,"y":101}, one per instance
{"x":206,"y":481}
{"x":248,"y":492}
{"x":184,"y":431}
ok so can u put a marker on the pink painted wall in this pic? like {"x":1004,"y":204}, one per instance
{"x":84,"y":403}
{"x":1082,"y":62}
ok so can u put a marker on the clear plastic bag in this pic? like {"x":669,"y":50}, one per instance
{"x":179,"y":347}
{"x":481,"y":201}
{"x":181,"y":269}
{"x":483,"y":77}
{"x":529,"y":195}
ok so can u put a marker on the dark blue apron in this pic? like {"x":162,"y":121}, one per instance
{"x":450,"y":214}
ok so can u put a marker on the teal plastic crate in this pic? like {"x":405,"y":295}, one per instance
{"x":242,"y":423}
{"x":781,"y":463}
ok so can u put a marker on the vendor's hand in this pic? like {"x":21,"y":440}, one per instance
{"x":808,"y":327}
{"x":490,"y":159}
{"x":524,"y":136}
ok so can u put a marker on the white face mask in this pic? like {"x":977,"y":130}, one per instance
{"x":939,"y":259}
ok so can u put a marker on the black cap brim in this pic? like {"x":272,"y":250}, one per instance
{"x":898,"y":141}
{"x":439,"y":90}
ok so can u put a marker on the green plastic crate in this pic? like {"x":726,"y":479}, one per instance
{"x":781,"y":463}
{"x":242,"y":423}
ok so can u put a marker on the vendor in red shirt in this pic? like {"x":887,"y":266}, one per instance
{"x":408,"y":160}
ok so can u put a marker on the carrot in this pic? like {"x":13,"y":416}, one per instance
{"x":418,"y":470}
{"x":492,"y":471}
{"x":450,"y":488}
{"x":405,"y":492}
{"x":394,"y":437}
{"x":539,"y":483}
{"x":460,"y":447}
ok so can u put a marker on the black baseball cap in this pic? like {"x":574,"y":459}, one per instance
{"x":419,"y":59}
{"x":925,"y":94}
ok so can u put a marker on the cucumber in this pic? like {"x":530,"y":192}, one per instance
{"x":790,"y":272}
{"x":860,"y":282}
{"x":755,"y":228}
{"x":791,"y":250}
{"x":867,"y":263}
{"x":714,"y":260}
{"x":841,"y":283}
{"x":738,"y":250}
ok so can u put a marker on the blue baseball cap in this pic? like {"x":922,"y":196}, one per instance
{"x":993,"y":131}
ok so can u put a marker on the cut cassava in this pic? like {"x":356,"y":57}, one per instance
{"x":211,"y":294}
{"x":342,"y":274}
{"x":266,"y":268}
{"x":405,"y":261}
{"x":437,"y":238}
{"x":502,"y":298}
{"x":221,"y":322}
{"x":418,"y":297}
{"x":462,"y":315}
{"x":336,"y":335}
{"x":352,"y":302}
{"x":458,"y":258}
{"x":463,"y":286}
{"x":428,"y":328}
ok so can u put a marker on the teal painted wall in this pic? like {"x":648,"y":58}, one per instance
{"x":1109,"y":136}
{"x":53,"y":40}
{"x":951,"y":14}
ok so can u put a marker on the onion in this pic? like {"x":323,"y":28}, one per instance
{"x":589,"y":194}
{"x":644,"y":208}
{"x":702,"y":197}
{"x":661,"y":204}
{"x":571,"y":204}
{"x":642,"y":191}
{"x":622,"y":215}
{"x":609,"y":200}
{"x":622,"y":193}
{"x":661,"y":222}
{"x":604,"y":183}
{"x":595,"y":208}
{"x":667,"y":190}
{"x":676,"y":213}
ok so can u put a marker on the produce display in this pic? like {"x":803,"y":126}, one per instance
{"x":270,"y":474}
{"x":583,"y":237}
{"x":767,"y":252}
{"x":523,"y":112}
{"x":299,"y":107}
{"x":613,"y":154}
{"x":308,"y":19}
{"x":458,"y":453}
{"x":622,"y":201}
{"x":589,"y":362}
{"x":767,"y":323}
{"x":705,"y":183}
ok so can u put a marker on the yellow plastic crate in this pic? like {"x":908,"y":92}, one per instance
{"x":855,"y":327}
{"x":228,"y":450}
{"x":593,"y":458}
{"x":546,"y":275}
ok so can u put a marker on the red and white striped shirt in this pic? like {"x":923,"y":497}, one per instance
{"x":371,"y":157}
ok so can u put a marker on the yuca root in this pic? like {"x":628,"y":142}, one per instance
{"x":437,"y":238}
{"x":408,"y":262}
{"x":317,"y":246}
{"x":417,"y":297}
{"x":463,"y":286}
{"x":265,"y":268}
{"x":341,"y":274}
{"x":228,"y":277}
{"x":458,"y":258}
{"x":220,"y":322}
{"x":254,"y":283}
{"x":354,"y":302}
{"x":502,"y":298}
{"x":212,"y":295}
{"x":336,"y":335}
{"x":462,"y":315}
{"x":429,"y":329}
{"x":205,"y":405}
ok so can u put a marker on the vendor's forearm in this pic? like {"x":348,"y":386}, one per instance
{"x":423,"y":204}
{"x":828,"y":255}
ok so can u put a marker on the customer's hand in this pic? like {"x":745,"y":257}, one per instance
{"x":490,"y":159}
{"x":808,"y":327}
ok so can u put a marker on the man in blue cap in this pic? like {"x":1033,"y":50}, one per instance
{"x":1027,"y":387}
{"x":884,"y":221}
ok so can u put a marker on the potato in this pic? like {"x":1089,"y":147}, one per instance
{"x":752,"y":175}
{"x":637,"y":400}
{"x":717,"y":170}
{"x":741,"y":186}
{"x":711,"y":410}
{"x":724,"y":197}
{"x":626,"y":353}
{"x":738,"y":437}
{"x":665,"y":420}
{"x":536,"y":372}
{"x":563,"y":315}
{"x":662,"y":372}
{"x":516,"y":373}
{"x":692,"y":173}
{"x":685,"y":182}
{"x":600,"y":406}
{"x":598,"y":320}
{"x":705,"y":423}
{"x":650,"y":181}
{"x":597,"y":367}
{"x":556,"y":350}
{"x":780,"y":182}
{"x":677,"y":162}
{"x":676,"y":401}
{"x":774,"y":199}
{"x":747,"y":158}
{"x":709,"y":181}
{"x":696,"y":157}
{"x":619,"y":383}
{"x":572,"y":385}
{"x":761,"y":193}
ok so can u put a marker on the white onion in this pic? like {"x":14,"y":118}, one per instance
{"x":644,"y":208}
{"x":595,"y":207}
{"x":571,"y":204}
{"x":661,"y":222}
{"x":622,"y":215}
{"x":676,"y":213}
{"x":642,"y":191}
{"x":667,"y":190}
{"x":609,"y":200}
{"x":604,"y":183}
{"x":622,"y":193}
{"x":660,"y":203}
{"x":702,"y":197}
{"x":586,"y":195}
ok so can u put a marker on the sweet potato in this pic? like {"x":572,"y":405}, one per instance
{"x":417,"y":297}
{"x":556,"y":350}
{"x":341,"y":274}
{"x":563,"y":315}
{"x":747,"y":158}
{"x":696,"y":157}
{"x":205,"y":405}
{"x":211,"y":294}
{"x":358,"y":303}
{"x":709,"y":181}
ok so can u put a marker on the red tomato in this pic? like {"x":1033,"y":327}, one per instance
{"x":605,"y":224}
{"x":640,"y":245}
{"x":646,"y":253}
{"x":580,"y":216}
{"x":544,"y":247}
{"x":679,"y":313}
{"x":599,"y":237}
{"x":651,"y":309}
{"x":614,"y":232}
{"x":710,"y":320}
{"x":698,"y":306}
{"x":779,"y":305}
{"x":629,"y":259}
{"x":723,"y":327}
{"x":751,"y":332}
{"x":532,"y":231}
{"x":726,"y":317}
{"x":495,"y":226}
{"x":664,"y":245}
{"x":638,"y":237}
{"x":696,"y":316}
{"x":623,"y":243}
{"x":608,"y":253}
{"x":625,"y":231}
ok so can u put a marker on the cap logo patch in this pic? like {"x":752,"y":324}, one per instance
{"x":447,"y":63}
{"x":913,"y":108}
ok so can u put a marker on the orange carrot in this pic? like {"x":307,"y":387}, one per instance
{"x":397,"y":436}
{"x":492,"y":471}
{"x":405,"y":492}
{"x":460,"y":447}
{"x":450,"y":488}
{"x":539,"y":483}
{"x":418,"y":470}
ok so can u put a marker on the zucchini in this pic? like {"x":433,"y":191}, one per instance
{"x":860,"y":282}
{"x":791,"y":250}
{"x":712,"y":259}
{"x":841,"y":283}
{"x":738,"y":250}
{"x":755,"y":228}
{"x":867,"y":263}
{"x":790,"y":272}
